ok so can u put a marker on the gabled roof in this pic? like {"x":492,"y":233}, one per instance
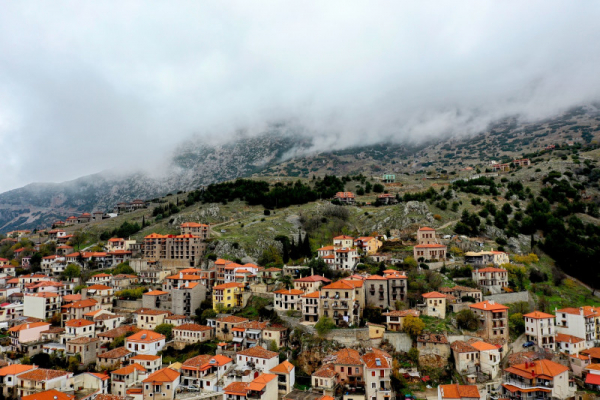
{"x":537,"y":368}
{"x":490,"y":269}
{"x":119,"y":352}
{"x":228,"y":286}
{"x":258,"y":352}
{"x":145,"y":336}
{"x":458,"y":346}
{"x":155,"y":293}
{"x":162,"y":375}
{"x":560,"y":337}
{"x":284,"y":368}
{"x":538,"y":315}
{"x":51,"y":394}
{"x":43,"y":374}
{"x":129,"y":369}
{"x":483,"y":346}
{"x":192,"y":327}
{"x":326,"y":371}
{"x":312,"y":295}
{"x":15,"y":369}
{"x":456,"y":391}
{"x":232,"y":319}
{"x":488,"y":305}
{"x":434,"y":295}
{"x":426,"y":228}
{"x":290,"y":292}
{"x":75,"y":323}
{"x":347,"y":357}
{"x":313,"y":278}
{"x":29,"y":326}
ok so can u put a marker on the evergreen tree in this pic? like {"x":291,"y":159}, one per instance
{"x":307,"y":252}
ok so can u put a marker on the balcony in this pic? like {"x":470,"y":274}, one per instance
{"x":342,"y":305}
{"x":526,"y":384}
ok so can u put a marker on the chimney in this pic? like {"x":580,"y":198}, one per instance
{"x":181,"y":275}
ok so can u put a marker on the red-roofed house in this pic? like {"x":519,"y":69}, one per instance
{"x":537,"y":379}
{"x":539,"y":328}
{"x":27,"y":335}
{"x":229,"y":295}
{"x":8,"y":378}
{"x":288,"y":299}
{"x":310,"y":306}
{"x":103,"y":294}
{"x":204,"y":370}
{"x":435,"y":304}
{"x":310,"y":284}
{"x":191,"y":333}
{"x":145,"y":342}
{"x":259,"y":357}
{"x":161,"y":384}
{"x":345,"y":197}
{"x":343,"y":301}
{"x":569,"y":344}
{"x":579,"y":322}
{"x":368,"y":244}
{"x":196,"y":229}
{"x":491,"y":279}
{"x":286,"y":376}
{"x":78,"y":328}
{"x":493,"y":319}
{"x":126,"y":377}
{"x":428,"y":247}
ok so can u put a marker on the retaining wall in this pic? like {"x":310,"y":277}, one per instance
{"x":401,"y":341}
{"x":507,"y":298}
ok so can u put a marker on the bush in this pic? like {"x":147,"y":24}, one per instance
{"x":413,"y":325}
{"x":267,"y":212}
{"x":466,"y":319}
{"x":324,"y":325}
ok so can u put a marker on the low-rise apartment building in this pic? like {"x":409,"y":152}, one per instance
{"x":539,"y":328}
{"x":186,"y":247}
{"x":310,"y":284}
{"x":579,"y":322}
{"x":41,"y":305}
{"x":145,"y":342}
{"x":343,"y":301}
{"x":228,"y":295}
{"x":287,"y":299}
{"x":191,"y":333}
{"x":537,"y":379}
{"x":493,"y":319}
{"x":491,"y":279}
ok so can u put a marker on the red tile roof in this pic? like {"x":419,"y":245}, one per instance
{"x":284,"y":368}
{"x":456,"y":391}
{"x":162,"y":375}
{"x":192,"y":327}
{"x":119,"y":352}
{"x":487,"y":305}
{"x":258,"y":352}
{"x":43,"y":374}
{"x":51,"y":394}
{"x":145,"y":336}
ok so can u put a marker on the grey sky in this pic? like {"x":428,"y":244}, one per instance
{"x":86,"y":86}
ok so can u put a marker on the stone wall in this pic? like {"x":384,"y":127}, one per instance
{"x":508,"y":298}
{"x":401,"y":341}
{"x":350,"y":337}
{"x":129,"y":304}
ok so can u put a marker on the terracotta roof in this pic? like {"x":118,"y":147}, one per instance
{"x":109,"y":397}
{"x":14,"y":369}
{"x":426,"y":228}
{"x":433,"y":295}
{"x":162,"y":375}
{"x":344,"y":284}
{"x":538,"y":315}
{"x":536,"y":368}
{"x":51,"y":394}
{"x":430,"y":246}
{"x":150,"y":311}
{"x":74,"y":323}
{"x":483,"y":346}
{"x":522,"y":357}
{"x":284,"y":368}
{"x":587,"y":311}
{"x":313,"y":278}
{"x":560,"y":337}
{"x":129,"y":369}
{"x":228,"y":285}
{"x":237,"y":389}
{"x":81,"y":304}
{"x":376,"y":360}
{"x":192,"y":327}
{"x":99,"y":287}
{"x":232,"y":319}
{"x":290,"y":292}
{"x":456,"y":391}
{"x":256,"y":325}
{"x":347,"y":357}
{"x":145,"y":336}
{"x":260,"y":382}
{"x":326,"y":371}
{"x":490,"y":269}
{"x":433,"y":338}
{"x":459,"y":346}
{"x":377,"y":278}
{"x":43,"y":374}
{"x":312,"y":295}
{"x":120,"y":331}
{"x":258,"y":352}
{"x":119,"y":352}
{"x":29,"y":326}
{"x":177,"y":317}
{"x":83,"y":340}
{"x":487,"y":305}
{"x":196,"y":362}
{"x":145,"y":357}
{"x":72,"y":297}
{"x":594,"y":352}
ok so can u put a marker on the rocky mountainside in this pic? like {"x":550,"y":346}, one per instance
{"x":192,"y":165}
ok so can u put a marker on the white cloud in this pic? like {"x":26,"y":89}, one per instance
{"x":90,"y":86}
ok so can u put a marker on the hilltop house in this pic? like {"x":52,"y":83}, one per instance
{"x":428,"y":247}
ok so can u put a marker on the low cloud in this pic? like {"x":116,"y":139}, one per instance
{"x":94,"y":86}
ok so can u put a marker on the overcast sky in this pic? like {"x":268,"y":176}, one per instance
{"x":86,"y":86}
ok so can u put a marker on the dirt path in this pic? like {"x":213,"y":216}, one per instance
{"x":448,"y":224}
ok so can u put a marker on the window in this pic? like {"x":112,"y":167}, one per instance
{"x":372,"y":373}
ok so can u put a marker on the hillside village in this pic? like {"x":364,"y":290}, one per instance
{"x":458,"y":305}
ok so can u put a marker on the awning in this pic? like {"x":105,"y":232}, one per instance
{"x":238,"y":339}
{"x":592,"y":379}
{"x":513,"y":389}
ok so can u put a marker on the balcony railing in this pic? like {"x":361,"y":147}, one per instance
{"x":527,"y":385}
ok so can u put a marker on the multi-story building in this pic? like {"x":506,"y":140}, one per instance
{"x":78,"y":328}
{"x":125,"y":378}
{"x":86,"y":347}
{"x":568,"y":344}
{"x":378,"y":371}
{"x":579,"y":322}
{"x":286,"y":376}
{"x":310,"y":284}
{"x":539,"y":328}
{"x":493,"y":319}
{"x":149,"y":362}
{"x":224,"y":326}
{"x":196,"y":229}
{"x":187,"y":298}
{"x":41,"y":379}
{"x":288,"y":299}
{"x":540,"y":379}
{"x":395,"y":319}
{"x":462,"y":292}
{"x":191,"y":333}
{"x":435,"y":304}
{"x":310,"y":306}
{"x":428,"y":247}
{"x":349,"y":367}
{"x":325,"y":379}
{"x":205,"y":371}
{"x":343,"y":301}
{"x":220,"y":265}
{"x":258,"y":358}
{"x":377,"y":295}
{"x":103,"y":294}
{"x":8,"y":378}
{"x":149,"y":318}
{"x":24,"y":335}
{"x":228,"y":295}
{"x":491,"y":279}
{"x":368,"y":244}
{"x":486,"y":258}
{"x":114,"y":358}
{"x":145,"y":342}
{"x":162,"y":384}
{"x":174,"y":247}
{"x":41,"y":305}
{"x":116,"y":244}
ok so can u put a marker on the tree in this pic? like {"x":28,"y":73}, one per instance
{"x":165,"y":329}
{"x":72,"y":271}
{"x":373,"y":314}
{"x":208,"y":313}
{"x":413,"y":354}
{"x":516,"y":322}
{"x":410,"y":262}
{"x":466,"y":319}
{"x":123,"y":268}
{"x":378,"y":188}
{"x":324,"y":325}
{"x":413,"y":325}
{"x":273,"y":346}
{"x":270,"y":255}
{"x":78,"y":239}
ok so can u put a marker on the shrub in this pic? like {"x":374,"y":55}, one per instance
{"x":437,"y":217}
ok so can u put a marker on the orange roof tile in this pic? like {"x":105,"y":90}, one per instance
{"x":145,"y":336}
{"x":312,"y":295}
{"x":560,"y":337}
{"x":162,"y":375}
{"x":228,"y":285}
{"x":290,"y":292}
{"x":313,"y":278}
{"x":538,"y":315}
{"x":129,"y":369}
{"x":29,"y":326}
{"x":74,"y":323}
{"x":43,"y":374}
{"x":192,"y":327}
{"x":232,"y":319}
{"x":487,"y":305}
{"x":51,"y":394}
{"x":284,"y":368}
{"x":119,"y":352}
{"x":258,"y":352}
{"x":426,"y":228}
{"x":456,"y":391}
{"x":536,"y":368}
{"x":15,"y":369}
{"x":483,"y":346}
{"x":237,"y":389}
{"x":433,"y":295}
